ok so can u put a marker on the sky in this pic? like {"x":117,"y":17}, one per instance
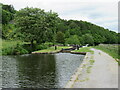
{"x":100,"y":12}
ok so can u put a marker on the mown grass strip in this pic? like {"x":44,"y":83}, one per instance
{"x":85,"y":49}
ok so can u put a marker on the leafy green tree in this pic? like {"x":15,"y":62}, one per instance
{"x":8,"y":31}
{"x":51,"y":19}
{"x":8,"y":12}
{"x":61,"y":25}
{"x":73,"y":40}
{"x":72,"y":24}
{"x":60,"y":37}
{"x":35,"y":24}
{"x":81,"y":40}
{"x":88,"y":39}
{"x":67,"y":34}
{"x":98,"y":39}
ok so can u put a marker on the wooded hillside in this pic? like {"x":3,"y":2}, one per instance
{"x":36,"y":25}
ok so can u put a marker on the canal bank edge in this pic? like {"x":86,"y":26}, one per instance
{"x":60,"y":51}
{"x":73,"y":78}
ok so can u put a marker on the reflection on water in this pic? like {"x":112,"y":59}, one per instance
{"x":39,"y":70}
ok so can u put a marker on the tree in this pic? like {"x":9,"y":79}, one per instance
{"x":67,"y":34}
{"x":88,"y":39}
{"x":73,"y":40}
{"x":60,"y":37}
{"x":35,"y":24}
{"x":51,"y":23}
{"x":98,"y":39}
{"x":8,"y":12}
{"x":81,"y":40}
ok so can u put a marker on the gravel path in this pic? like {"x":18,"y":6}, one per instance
{"x":103,"y":74}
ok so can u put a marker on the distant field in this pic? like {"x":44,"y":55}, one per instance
{"x":111,"y":49}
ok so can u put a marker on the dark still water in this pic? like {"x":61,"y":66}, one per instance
{"x":39,"y":70}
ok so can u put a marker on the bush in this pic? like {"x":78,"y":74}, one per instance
{"x":73,"y":40}
{"x":7,"y":51}
{"x":41,"y":46}
{"x":29,"y":48}
{"x":17,"y":50}
{"x":48,"y":44}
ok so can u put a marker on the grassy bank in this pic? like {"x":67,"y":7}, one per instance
{"x":85,"y":49}
{"x":111,"y":49}
{"x":52,"y":49}
{"x":18,"y":47}
{"x":12,"y":47}
{"x":8,"y":44}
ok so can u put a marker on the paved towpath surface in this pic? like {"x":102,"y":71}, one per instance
{"x":103,"y":74}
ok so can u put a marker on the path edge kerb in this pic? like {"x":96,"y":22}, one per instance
{"x":73,"y":78}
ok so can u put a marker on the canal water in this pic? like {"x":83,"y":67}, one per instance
{"x":39,"y":70}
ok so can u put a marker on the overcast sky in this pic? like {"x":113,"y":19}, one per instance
{"x":100,"y":12}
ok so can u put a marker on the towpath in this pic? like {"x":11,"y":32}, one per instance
{"x":103,"y":73}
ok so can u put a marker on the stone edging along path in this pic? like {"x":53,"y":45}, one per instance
{"x":77,"y":73}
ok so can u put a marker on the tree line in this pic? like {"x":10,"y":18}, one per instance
{"x":37,"y":26}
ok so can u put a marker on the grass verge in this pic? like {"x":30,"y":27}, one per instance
{"x":111,"y":49}
{"x":85,"y":49}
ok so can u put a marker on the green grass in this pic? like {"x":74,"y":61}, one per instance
{"x":7,"y":46}
{"x":8,"y":43}
{"x":85,"y":49}
{"x":52,"y":49}
{"x":111,"y":49}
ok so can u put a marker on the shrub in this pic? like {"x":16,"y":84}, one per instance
{"x":7,"y":51}
{"x":16,"y":50}
{"x":48,"y":44}
{"x":42,"y":46}
{"x":19,"y":50}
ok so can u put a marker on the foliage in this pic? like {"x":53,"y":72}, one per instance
{"x":8,"y":12}
{"x":35,"y":24}
{"x":98,"y":39}
{"x":60,"y":37}
{"x":19,"y":50}
{"x":8,"y":31}
{"x":73,"y":40}
{"x":13,"y":47}
{"x":88,"y":39}
{"x":41,"y":46}
{"x":48,"y":44}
